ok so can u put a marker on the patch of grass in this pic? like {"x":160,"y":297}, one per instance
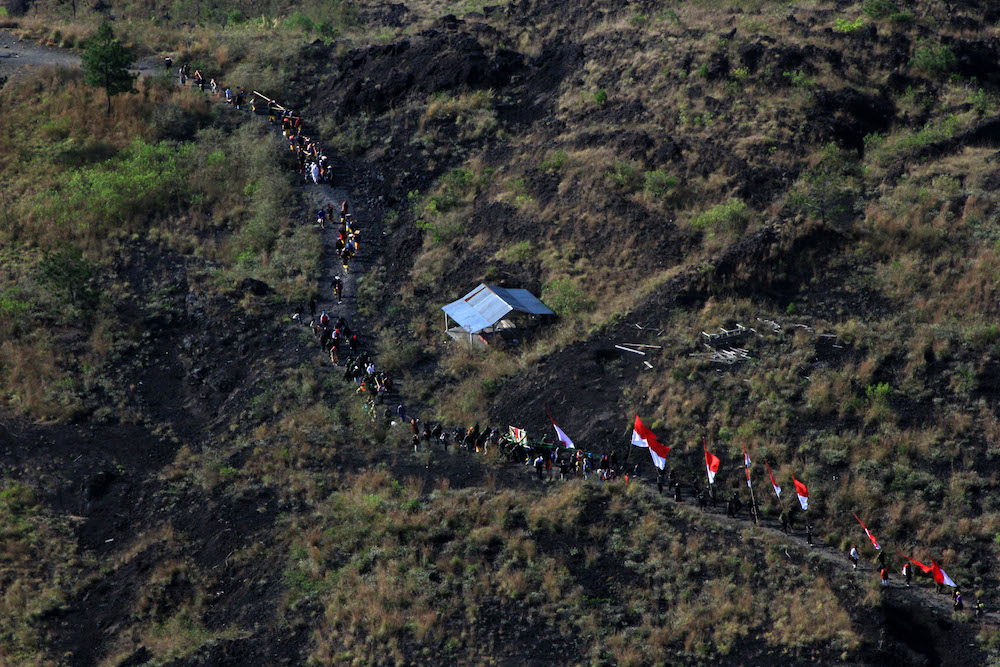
{"x":395,"y":352}
{"x":515,"y":253}
{"x":554,"y":162}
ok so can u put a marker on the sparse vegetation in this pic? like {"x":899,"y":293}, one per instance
{"x":650,"y":173}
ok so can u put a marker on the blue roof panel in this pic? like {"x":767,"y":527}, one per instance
{"x":487,"y":304}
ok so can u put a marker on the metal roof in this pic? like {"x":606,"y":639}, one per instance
{"x":488,"y":304}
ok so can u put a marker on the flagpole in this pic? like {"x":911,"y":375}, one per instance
{"x":753,"y":503}
{"x":704,"y":447}
{"x":781,"y":503}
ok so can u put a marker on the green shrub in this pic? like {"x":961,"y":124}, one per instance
{"x":625,"y":176}
{"x":983,"y":102}
{"x":847,"y":27}
{"x":68,"y":272}
{"x":729,"y":217}
{"x":878,"y":9}
{"x":565,"y":297}
{"x":877,"y":393}
{"x":554,"y":162}
{"x":601,"y":96}
{"x":932,"y":58}
{"x":799,"y":79}
{"x":11,"y":306}
{"x":659,"y":184}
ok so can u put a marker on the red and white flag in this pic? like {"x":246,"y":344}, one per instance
{"x":643,"y":437}
{"x":711,"y":462}
{"x":746,"y":464}
{"x":777,"y":489}
{"x":925,"y":568}
{"x":802,"y":492}
{"x":867,"y":532}
{"x":519,"y":435}
{"x":563,"y":438}
{"x":940,"y":576}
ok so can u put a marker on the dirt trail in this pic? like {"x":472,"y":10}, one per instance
{"x":17,"y":54}
{"x":314,"y":197}
{"x":922,"y":588}
{"x":318,"y":196}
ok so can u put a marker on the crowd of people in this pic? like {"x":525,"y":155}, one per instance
{"x":337,"y":338}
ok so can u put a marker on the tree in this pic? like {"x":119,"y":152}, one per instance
{"x":830,"y":190}
{"x":105,"y":64}
{"x":68,"y":271}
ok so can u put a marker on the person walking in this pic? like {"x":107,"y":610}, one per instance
{"x":907,"y":573}
{"x":884,"y":575}
{"x":855,"y":557}
{"x":401,"y":412}
{"x":338,"y":287}
{"x":958,"y":600}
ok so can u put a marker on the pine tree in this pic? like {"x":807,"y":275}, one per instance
{"x":105,"y":64}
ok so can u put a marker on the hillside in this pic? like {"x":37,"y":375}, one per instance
{"x":189,"y":480}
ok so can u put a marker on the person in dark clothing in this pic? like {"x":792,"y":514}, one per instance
{"x":784,"y":522}
{"x":907,"y":573}
{"x":338,"y":287}
{"x":659,"y":482}
{"x":312,"y":307}
{"x":809,"y":534}
{"x":702,"y":500}
{"x":677,"y":492}
{"x":540,"y":466}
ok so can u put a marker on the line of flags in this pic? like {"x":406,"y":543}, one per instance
{"x":643,"y":437}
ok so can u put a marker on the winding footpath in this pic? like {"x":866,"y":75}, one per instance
{"x":16,"y":55}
